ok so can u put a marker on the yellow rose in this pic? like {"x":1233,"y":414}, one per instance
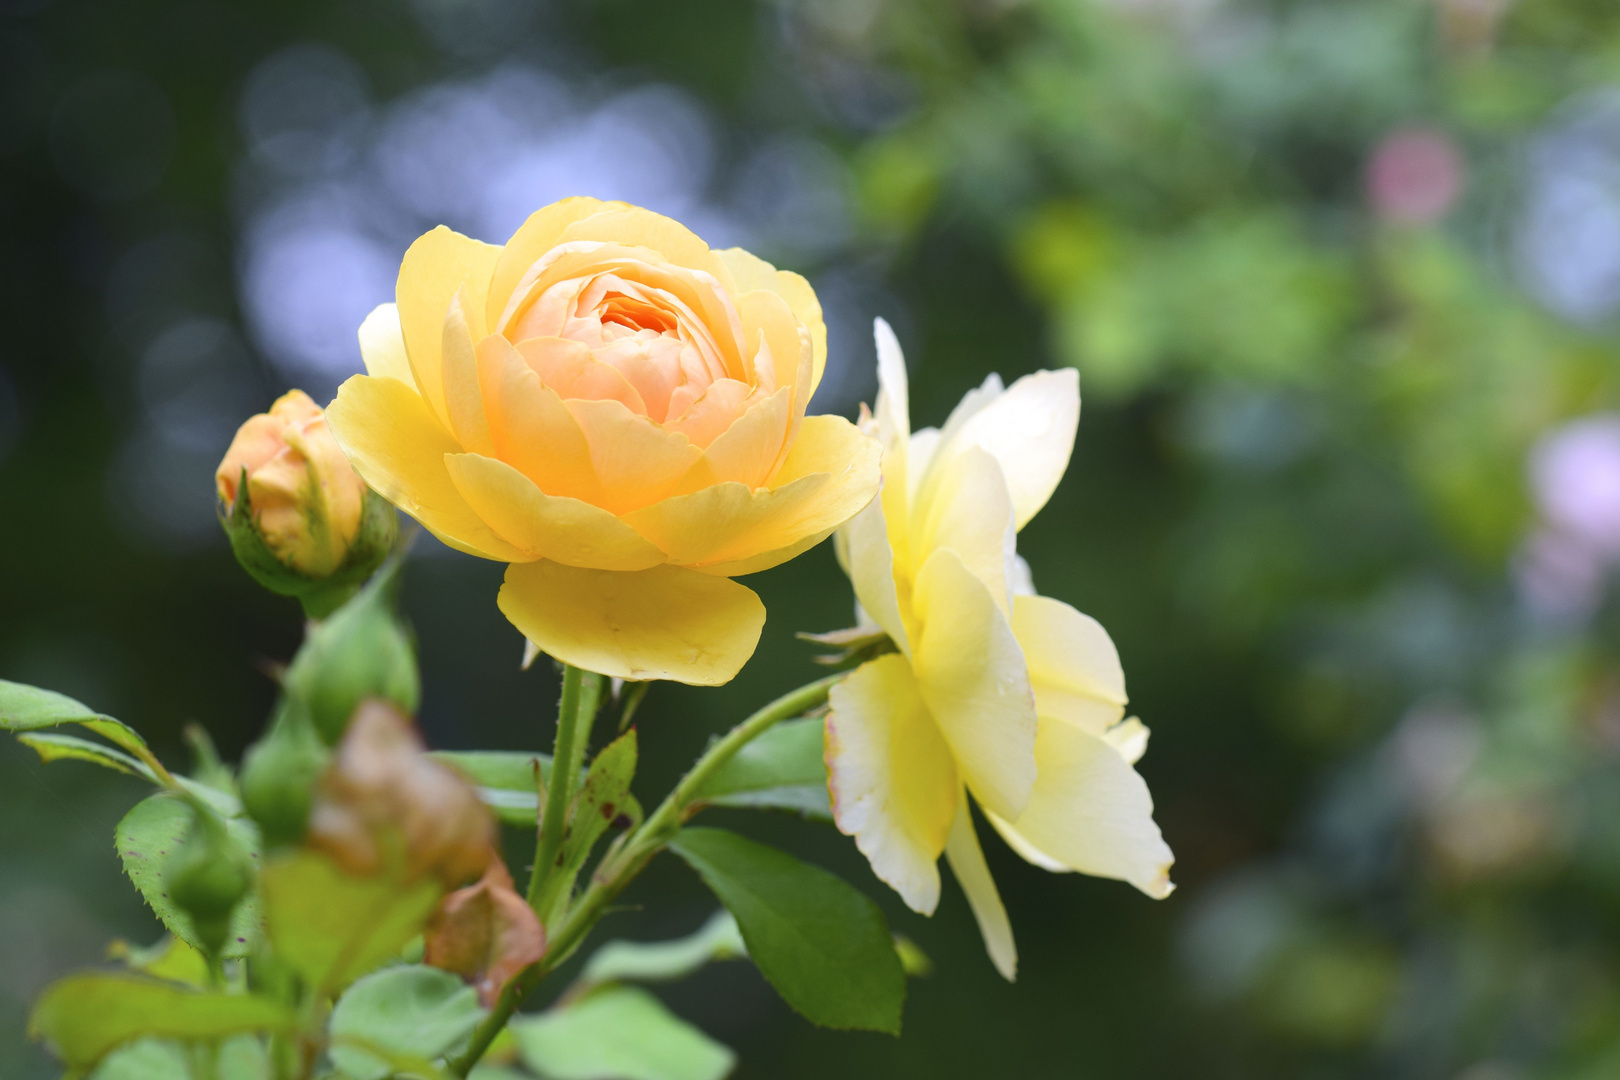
{"x":617,"y":411}
{"x":301,"y":492}
{"x":1015,"y":699}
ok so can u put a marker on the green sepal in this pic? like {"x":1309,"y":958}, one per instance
{"x":362,"y":651}
{"x":379,"y":530}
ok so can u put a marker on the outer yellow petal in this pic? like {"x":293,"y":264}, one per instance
{"x":438,"y":264}
{"x":1030,"y":429}
{"x":830,"y":474}
{"x":563,"y":530}
{"x":536,"y":236}
{"x":971,"y":513}
{"x":1073,"y":666}
{"x":864,"y":551}
{"x":662,"y":623}
{"x":893,"y":416}
{"x":766,"y":316}
{"x":751,"y":272}
{"x":972,"y":675}
{"x":530,"y":427}
{"x":893,"y":783}
{"x":973,"y":874}
{"x":636,"y":227}
{"x":396,"y":445}
{"x":463,"y":398}
{"x":1090,"y":812}
{"x":382,"y":345}
{"x":728,"y":522}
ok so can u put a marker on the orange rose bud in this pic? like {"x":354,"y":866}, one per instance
{"x":300,"y":519}
{"x":384,"y":799}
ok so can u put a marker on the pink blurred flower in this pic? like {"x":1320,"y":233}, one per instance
{"x":1414,"y":176}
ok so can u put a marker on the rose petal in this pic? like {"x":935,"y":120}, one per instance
{"x":530,"y":427}
{"x":892,"y":780}
{"x":463,"y":398}
{"x":396,"y":445}
{"x":1090,"y":811}
{"x":636,"y":461}
{"x":438,"y":264}
{"x":382,"y":345}
{"x":662,"y":623}
{"x":973,"y":874}
{"x":751,"y":272}
{"x":536,"y":236}
{"x":569,"y":368}
{"x":545,"y":526}
{"x":1073,"y":666}
{"x":971,"y":673}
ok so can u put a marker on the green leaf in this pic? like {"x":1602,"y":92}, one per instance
{"x":333,"y":928}
{"x":52,"y":747}
{"x":170,"y":959}
{"x":413,"y":1010}
{"x":240,"y":1058}
{"x":83,"y":1017}
{"x":602,"y":798}
{"x":505,"y":781}
{"x":623,"y":1033}
{"x":29,"y":708}
{"x":783,"y":769}
{"x":151,"y":830}
{"x":664,"y":961}
{"x":145,"y":1059}
{"x":824,"y":946}
{"x":495,"y":1072}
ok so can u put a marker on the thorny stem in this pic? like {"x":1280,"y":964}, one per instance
{"x":579,"y":691}
{"x":638,"y":850}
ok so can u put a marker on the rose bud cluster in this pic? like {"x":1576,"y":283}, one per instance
{"x":383,"y":798}
{"x":299,"y":518}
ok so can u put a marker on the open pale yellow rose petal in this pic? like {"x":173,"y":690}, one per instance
{"x":663,"y":623}
{"x":893,"y":782}
{"x":530,"y":427}
{"x":438,"y":264}
{"x":973,"y":874}
{"x":396,"y":445}
{"x":1091,"y":812}
{"x":970,"y":513}
{"x":1029,"y":428}
{"x":536,"y":236}
{"x":971,"y":672}
{"x":382,"y":345}
{"x":636,"y":461}
{"x":1073,"y":666}
{"x":869,"y":561}
{"x":563,"y":530}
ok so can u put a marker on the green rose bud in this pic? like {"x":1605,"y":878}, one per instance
{"x":361,"y":651}
{"x":279,"y":774}
{"x":207,"y":876}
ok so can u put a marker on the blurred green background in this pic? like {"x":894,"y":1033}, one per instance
{"x":1341,"y":278}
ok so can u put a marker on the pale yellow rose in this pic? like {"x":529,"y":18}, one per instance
{"x":618,"y":412}
{"x":301,"y":492}
{"x":1015,"y":699}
